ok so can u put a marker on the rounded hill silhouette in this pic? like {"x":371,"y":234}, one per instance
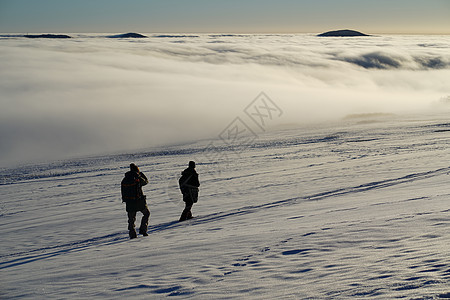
{"x":343,"y":33}
{"x":47,"y":36}
{"x":127,"y":35}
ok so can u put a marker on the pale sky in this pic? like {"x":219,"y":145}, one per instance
{"x":231,"y":16}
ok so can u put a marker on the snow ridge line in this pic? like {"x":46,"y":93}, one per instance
{"x":343,"y":191}
{"x":120,"y":236}
{"x":59,"y":249}
{"x":381,"y":184}
{"x":76,"y":246}
{"x":315,"y":197}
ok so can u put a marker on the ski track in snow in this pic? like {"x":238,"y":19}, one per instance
{"x":358,"y":217}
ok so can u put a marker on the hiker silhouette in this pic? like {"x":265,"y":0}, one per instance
{"x":132,"y":195}
{"x":189,"y":188}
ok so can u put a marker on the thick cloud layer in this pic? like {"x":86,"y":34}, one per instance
{"x":91,"y":95}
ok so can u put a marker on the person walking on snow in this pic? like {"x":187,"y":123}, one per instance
{"x":189,"y":188}
{"x":132,"y":195}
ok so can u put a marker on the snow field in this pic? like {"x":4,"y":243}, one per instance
{"x":346,"y":211}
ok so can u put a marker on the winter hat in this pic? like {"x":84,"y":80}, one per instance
{"x":191,"y":164}
{"x":134,"y":168}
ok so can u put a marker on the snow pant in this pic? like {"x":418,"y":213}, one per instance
{"x":187,"y":214}
{"x":144,"y":221}
{"x":190,"y":196}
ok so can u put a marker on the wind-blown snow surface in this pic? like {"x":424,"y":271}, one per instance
{"x":95,"y":95}
{"x":356,"y":210}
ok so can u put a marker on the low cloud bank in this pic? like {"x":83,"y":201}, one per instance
{"x":93,"y":95}
{"x":386,"y":60}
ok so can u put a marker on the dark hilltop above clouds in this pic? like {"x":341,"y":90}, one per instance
{"x":343,"y":33}
{"x":47,"y":36}
{"x":175,"y":36}
{"x":335,"y":33}
{"x":127,"y":35}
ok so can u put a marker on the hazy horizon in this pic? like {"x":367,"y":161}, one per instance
{"x":250,"y":16}
{"x":214,"y":32}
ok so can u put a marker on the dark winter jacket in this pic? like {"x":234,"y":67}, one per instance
{"x":131,"y":186}
{"x":189,"y":179}
{"x":189,"y":185}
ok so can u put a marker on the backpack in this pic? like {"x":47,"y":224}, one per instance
{"x":130,"y":188}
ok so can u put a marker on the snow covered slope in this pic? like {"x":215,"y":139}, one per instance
{"x":354,"y":210}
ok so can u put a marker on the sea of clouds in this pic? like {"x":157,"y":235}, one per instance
{"x":94,"y":95}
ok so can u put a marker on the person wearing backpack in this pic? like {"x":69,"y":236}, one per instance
{"x":189,"y":188}
{"x":135,"y":200}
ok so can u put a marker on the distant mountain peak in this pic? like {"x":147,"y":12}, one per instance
{"x":343,"y":33}
{"x":127,"y":35}
{"x":47,"y":36}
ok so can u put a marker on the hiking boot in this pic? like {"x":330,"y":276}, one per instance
{"x":143,"y":232}
{"x":133,"y":234}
